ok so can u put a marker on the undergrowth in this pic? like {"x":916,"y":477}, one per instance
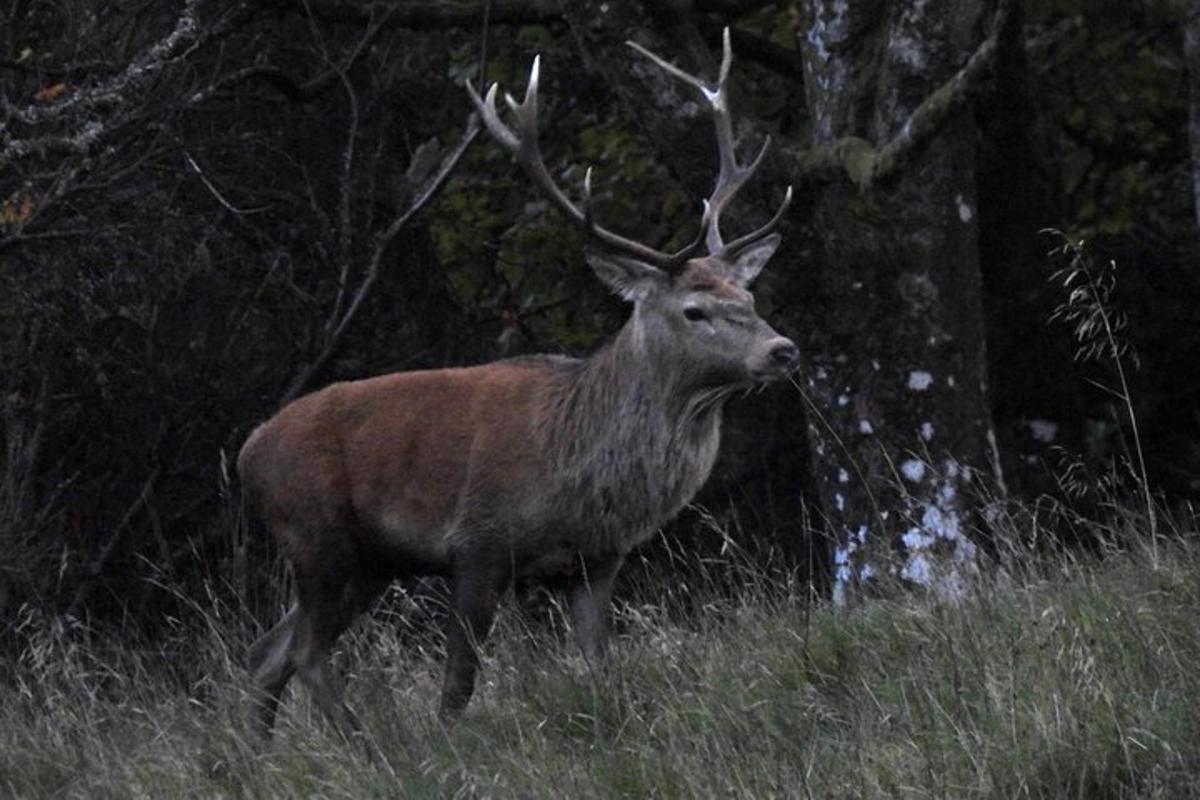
{"x":1075,"y":678}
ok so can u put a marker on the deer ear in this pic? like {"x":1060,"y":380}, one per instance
{"x":628,"y":277}
{"x":746,"y":265}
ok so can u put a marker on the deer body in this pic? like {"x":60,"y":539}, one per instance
{"x":545,"y":459}
{"x":539,"y":467}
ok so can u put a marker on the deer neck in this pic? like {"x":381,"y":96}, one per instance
{"x":630,"y":385}
{"x":632,"y":437}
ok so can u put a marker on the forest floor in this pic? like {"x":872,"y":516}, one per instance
{"x":1076,"y":678}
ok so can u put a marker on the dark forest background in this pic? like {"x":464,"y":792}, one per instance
{"x":206,"y":207}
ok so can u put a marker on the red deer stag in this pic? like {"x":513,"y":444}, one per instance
{"x":529,"y":468}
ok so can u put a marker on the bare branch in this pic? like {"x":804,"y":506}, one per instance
{"x":429,"y":14}
{"x":440,"y":14}
{"x":191,"y":162}
{"x":345,"y":233}
{"x":94,"y":111}
{"x":100,"y":562}
{"x":339,"y":326}
{"x":296,"y":90}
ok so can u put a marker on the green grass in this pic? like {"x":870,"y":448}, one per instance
{"x":1076,"y":680}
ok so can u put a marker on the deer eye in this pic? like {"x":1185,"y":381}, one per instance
{"x":694,"y":314}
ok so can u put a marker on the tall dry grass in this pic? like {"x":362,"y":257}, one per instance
{"x":1073,"y":678}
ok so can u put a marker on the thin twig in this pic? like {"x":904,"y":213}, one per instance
{"x":344,"y":233}
{"x":100,"y":562}
{"x":382,"y":241}
{"x":213,"y":189}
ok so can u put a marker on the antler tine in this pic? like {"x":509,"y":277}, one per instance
{"x":726,"y":58}
{"x":523,"y":145}
{"x":526,"y":111}
{"x":731,"y":175}
{"x":487,"y":112}
{"x":671,"y":68}
{"x":772,"y":224}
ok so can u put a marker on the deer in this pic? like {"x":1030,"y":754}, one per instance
{"x":532,"y":468}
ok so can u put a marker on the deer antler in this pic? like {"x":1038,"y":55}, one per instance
{"x":523,"y":144}
{"x":732,"y":175}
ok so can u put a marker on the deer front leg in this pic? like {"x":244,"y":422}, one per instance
{"x":590,"y":596}
{"x":475,"y":593}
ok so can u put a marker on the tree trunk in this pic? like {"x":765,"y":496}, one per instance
{"x":897,"y":368}
{"x":1191,"y":49}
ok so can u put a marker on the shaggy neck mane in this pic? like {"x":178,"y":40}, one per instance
{"x":626,"y":424}
{"x":622,"y":391}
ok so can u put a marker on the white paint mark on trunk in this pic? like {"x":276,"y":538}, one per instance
{"x":845,"y":567}
{"x":919,"y":380}
{"x":913,"y":470}
{"x":964,"y":209}
{"x":938,"y":553}
{"x":918,"y":569}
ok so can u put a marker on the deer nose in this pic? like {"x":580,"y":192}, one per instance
{"x":785,"y":355}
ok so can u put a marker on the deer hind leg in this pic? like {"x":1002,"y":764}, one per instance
{"x":271,"y":667}
{"x":475,"y":593}
{"x":327,"y":607}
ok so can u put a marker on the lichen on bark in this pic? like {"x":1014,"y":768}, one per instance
{"x":895,"y":338}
